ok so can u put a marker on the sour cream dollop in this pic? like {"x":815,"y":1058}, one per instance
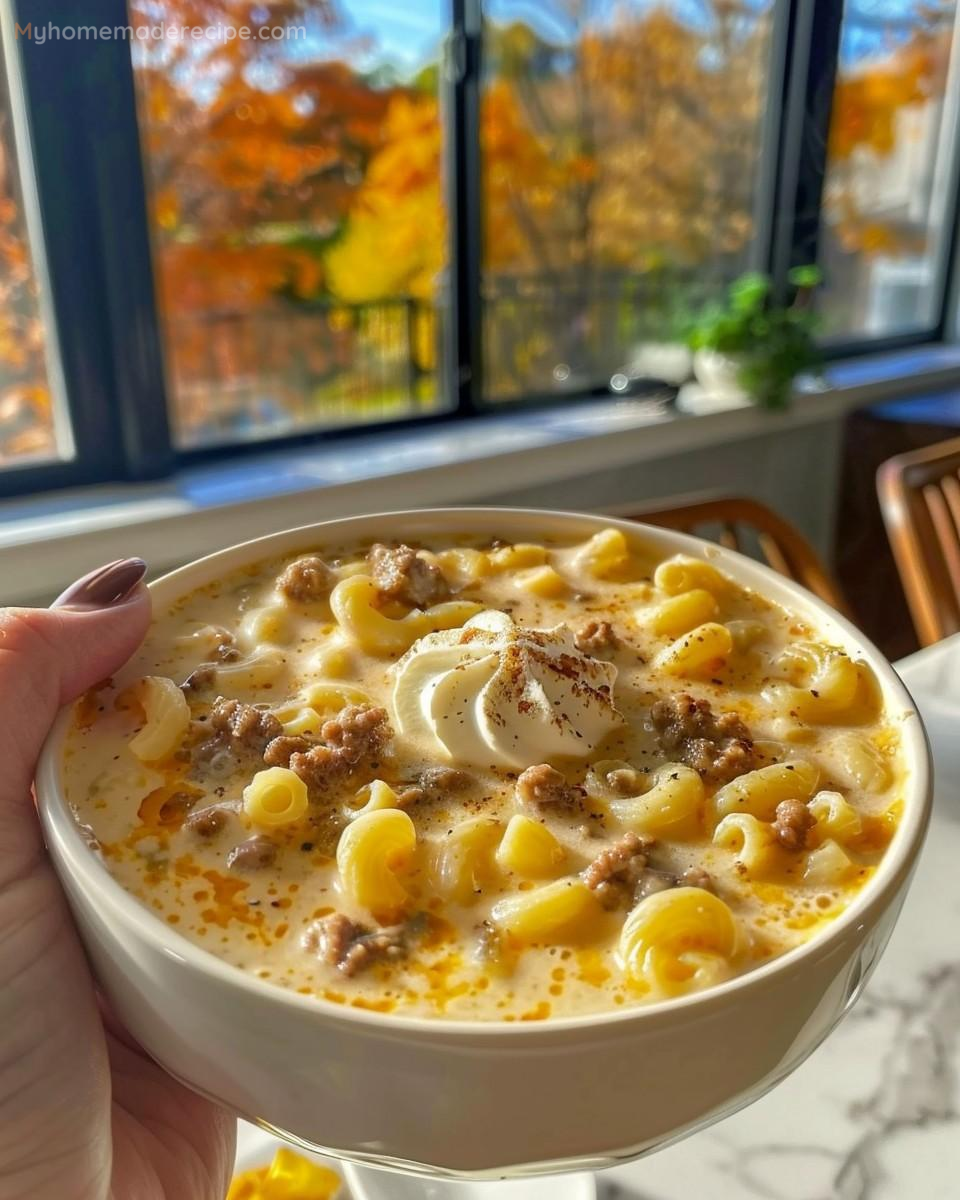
{"x":495,"y":694}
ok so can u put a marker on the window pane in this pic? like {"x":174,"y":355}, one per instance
{"x":298,"y":224}
{"x":31,"y":421}
{"x":620,"y":143}
{"x":892,"y":131}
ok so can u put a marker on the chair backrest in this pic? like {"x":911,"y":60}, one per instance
{"x":743,"y":524}
{"x":920,"y":500}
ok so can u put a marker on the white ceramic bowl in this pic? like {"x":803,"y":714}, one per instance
{"x":470,"y":1099}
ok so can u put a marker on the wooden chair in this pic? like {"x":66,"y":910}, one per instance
{"x":920,"y":500}
{"x":743,"y":524}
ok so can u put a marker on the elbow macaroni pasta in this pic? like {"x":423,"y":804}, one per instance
{"x":828,"y":865}
{"x":834,"y":816}
{"x":546,"y":913}
{"x":372,"y":798}
{"x":678,"y":941}
{"x":371,"y":852}
{"x":465,"y":861}
{"x":542,"y":581}
{"x":671,"y":807}
{"x":682,"y":574}
{"x":752,"y":841}
{"x":353,"y":601}
{"x":703,"y":650}
{"x":275,"y":797}
{"x":606,"y":554}
{"x":269,"y":625}
{"x":679,"y":614}
{"x":529,"y":849}
{"x":759,"y":792}
{"x":166,"y":718}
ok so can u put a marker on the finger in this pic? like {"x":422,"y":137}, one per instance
{"x":48,"y":657}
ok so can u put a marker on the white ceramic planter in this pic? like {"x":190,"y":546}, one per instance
{"x":670,"y":361}
{"x":458,"y":1098}
{"x":718,"y":374}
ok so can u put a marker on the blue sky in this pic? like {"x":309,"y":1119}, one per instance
{"x":407,"y":33}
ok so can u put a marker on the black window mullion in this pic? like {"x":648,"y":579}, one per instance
{"x":771,"y":137}
{"x":122,"y":208}
{"x":80,"y":105}
{"x":42,"y":77}
{"x":813,"y":51}
{"x":463,"y":190}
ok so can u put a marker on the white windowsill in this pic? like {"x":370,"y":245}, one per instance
{"x":45,"y":541}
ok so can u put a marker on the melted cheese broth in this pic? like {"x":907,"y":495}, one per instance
{"x":256,"y":920}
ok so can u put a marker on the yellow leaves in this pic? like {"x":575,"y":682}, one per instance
{"x":166,"y":208}
{"x":394,"y":242}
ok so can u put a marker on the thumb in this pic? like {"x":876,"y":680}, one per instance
{"x":48,"y":657}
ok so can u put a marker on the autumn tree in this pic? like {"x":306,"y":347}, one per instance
{"x":26,"y":419}
{"x":872,"y":101}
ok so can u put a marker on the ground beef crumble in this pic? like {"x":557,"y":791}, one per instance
{"x":792,"y":823}
{"x":621,"y":873}
{"x":719,"y":747}
{"x":543,"y":786}
{"x":305,"y":580}
{"x":207,"y":822}
{"x":401,"y":574}
{"x":596,"y":637}
{"x":616,"y":871}
{"x":239,"y":728}
{"x":433,"y":783}
{"x":696,"y":877}
{"x":206,"y":673}
{"x":254,"y":854}
{"x":349,"y":946}
{"x":354,"y":739}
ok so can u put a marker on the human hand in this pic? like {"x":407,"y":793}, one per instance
{"x":84,"y":1113}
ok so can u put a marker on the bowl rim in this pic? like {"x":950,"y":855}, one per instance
{"x":90,"y":874}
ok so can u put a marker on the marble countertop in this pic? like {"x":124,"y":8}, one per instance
{"x":874,"y":1113}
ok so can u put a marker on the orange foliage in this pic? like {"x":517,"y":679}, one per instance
{"x":26,"y":417}
{"x":866,"y":125}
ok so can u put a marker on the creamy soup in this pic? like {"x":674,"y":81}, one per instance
{"x":483,"y":780}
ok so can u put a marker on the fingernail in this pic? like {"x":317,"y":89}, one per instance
{"x":104,"y":586}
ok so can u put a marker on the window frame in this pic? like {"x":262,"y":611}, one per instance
{"x":107,"y":328}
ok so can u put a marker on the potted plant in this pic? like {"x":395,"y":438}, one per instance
{"x":748,"y":345}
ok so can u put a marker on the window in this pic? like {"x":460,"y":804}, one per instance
{"x":296,"y":214}
{"x":888,"y":205}
{"x":31,"y":422}
{"x":620,"y":146}
{"x":229,"y":224}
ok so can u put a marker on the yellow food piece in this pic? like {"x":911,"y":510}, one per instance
{"x":542,"y":581}
{"x":275,"y":796}
{"x":546,"y":913}
{"x":270,"y":624}
{"x":759,"y":792}
{"x":166,"y":718}
{"x":606,"y":553}
{"x":669,"y":807}
{"x":354,"y":604}
{"x":704,"y":649}
{"x":679,"y":614}
{"x":371,"y":850}
{"x":679,"y":940}
{"x":289,"y":1177}
{"x":465,"y":862}
{"x":529,"y":849}
{"x":683,"y":574}
{"x":511,"y":558}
